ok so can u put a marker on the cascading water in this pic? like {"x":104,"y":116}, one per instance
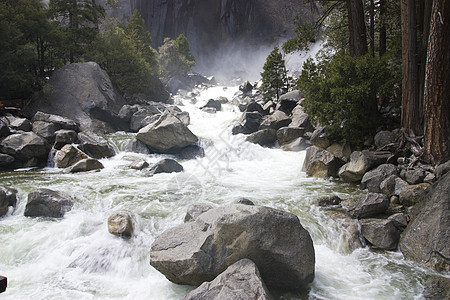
{"x":76,"y":257}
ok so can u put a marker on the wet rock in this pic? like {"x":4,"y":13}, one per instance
{"x":246,"y":87}
{"x":3,"y":284}
{"x":198,"y":251}
{"x":94,"y":145}
{"x":165,"y":166}
{"x":195,"y":210}
{"x":248,"y":123}
{"x":319,"y":138}
{"x":414,"y":176}
{"x":6,"y":160}
{"x":167,"y":135}
{"x":47,"y":203}
{"x":393,"y":185}
{"x":209,"y":110}
{"x":328,"y":201}
{"x":384,"y":138}
{"x":68,"y":156}
{"x":120,"y":224}
{"x":298,"y":144}
{"x":138,"y":164}
{"x":426,"y":238}
{"x":287,"y":102}
{"x":275,"y":121}
{"x":245,"y":201}
{"x":301,"y":119}
{"x":64,"y":137}
{"x":372,"y":179}
{"x":25,"y":146}
{"x":86,"y":165}
{"x":221,"y":99}
{"x":350,"y":237}
{"x":320,"y":163}
{"x":371,"y":205}
{"x":191,"y":152}
{"x":412,"y":194}
{"x":136,"y":146}
{"x":381,"y":233}
{"x":360,"y":163}
{"x":436,"y":288}
{"x":213,"y":104}
{"x":288,"y":134}
{"x":59,"y":121}
{"x":264,"y":137}
{"x":241,"y":280}
{"x":340,"y":150}
{"x":8,"y":197}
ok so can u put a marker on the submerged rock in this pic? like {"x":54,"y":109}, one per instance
{"x":47,"y":203}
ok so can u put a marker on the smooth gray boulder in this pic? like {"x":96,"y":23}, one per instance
{"x":381,"y":233}
{"x":275,"y":121}
{"x":8,"y":197}
{"x":198,"y":251}
{"x":166,"y":165}
{"x":264,"y":137}
{"x":360,"y":163}
{"x":167,"y":135}
{"x":68,"y":156}
{"x":241,"y":280}
{"x":373,"y":179}
{"x":25,"y":146}
{"x":426,"y":239}
{"x":142,"y":118}
{"x":301,"y":119}
{"x":85,"y":165}
{"x":59,"y":121}
{"x":121,"y":224}
{"x":372,"y":204}
{"x":299,"y":144}
{"x":136,"y":146}
{"x":94,"y":145}
{"x":16,"y":123}
{"x":47,"y":203}
{"x":321,"y":163}
{"x":415,"y":176}
{"x":340,"y":150}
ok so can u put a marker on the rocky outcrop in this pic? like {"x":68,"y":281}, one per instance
{"x":47,"y":203}
{"x":198,"y":251}
{"x":321,"y":163}
{"x":426,"y":239}
{"x":120,"y":224}
{"x":241,"y":280}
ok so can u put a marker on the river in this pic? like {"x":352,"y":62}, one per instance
{"x":76,"y":257}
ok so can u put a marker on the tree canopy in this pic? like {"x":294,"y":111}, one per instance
{"x":274,"y":76}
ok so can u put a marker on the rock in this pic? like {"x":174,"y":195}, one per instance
{"x":167,"y":135}
{"x":25,"y":146}
{"x":245,"y":201}
{"x":384,"y":138}
{"x":429,"y":178}
{"x":381,"y":233}
{"x":442,"y":169}
{"x":142,"y":118}
{"x":213,"y":104}
{"x":414,"y":176}
{"x":319,"y":138}
{"x":94,"y":145}
{"x":275,"y":121}
{"x":328,"y":201}
{"x":17,"y":124}
{"x":8,"y":197}
{"x":136,"y":146}
{"x":194,"y":211}
{"x":269,"y":107}
{"x":412,"y":194}
{"x":4,"y":129}
{"x":198,"y":251}
{"x":426,"y":238}
{"x":68,"y":156}
{"x":255,"y":107}
{"x":221,"y":99}
{"x":85,"y":165}
{"x":320,"y":163}
{"x":360,"y":163}
{"x":138,"y":164}
{"x":248,"y":123}
{"x":287,"y":102}
{"x":45,"y":130}
{"x":82,"y":92}
{"x":246,"y":87}
{"x":241,"y":280}
{"x":64,"y":137}
{"x":393,"y":185}
{"x":47,"y":203}
{"x":349,"y":238}
{"x":298,"y":144}
{"x":400,"y":221}
{"x":59,"y":121}
{"x":264,"y":137}
{"x":300,"y":119}
{"x":288,"y":134}
{"x":209,"y":110}
{"x":371,"y":205}
{"x":191,"y":152}
{"x":127,"y":111}
{"x":166,"y":166}
{"x":372,"y":179}
{"x":120,"y":224}
{"x":6,"y":160}
{"x":437,"y":288}
{"x":341,"y":150}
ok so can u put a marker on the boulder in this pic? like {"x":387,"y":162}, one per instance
{"x":45,"y":130}
{"x":288,"y":101}
{"x":248,"y":123}
{"x":82,"y":92}
{"x":138,"y":164}
{"x":4,"y":129}
{"x":349,"y":237}
{"x":383,"y":138}
{"x":241,"y":280}
{"x":328,"y":201}
{"x":64,"y":137}
{"x":255,"y":107}
{"x":142,"y":118}
{"x":191,"y":152}
{"x":127,"y":111}
{"x":442,"y":169}
{"x":8,"y":197}
{"x":15,"y":123}
{"x":360,"y":163}
{"x":264,"y":137}
{"x":6,"y":160}
{"x":298,"y":144}
{"x":213,"y":104}
{"x":288,"y":134}
{"x":85,"y":165}
{"x":136,"y":146}
{"x":198,"y":251}
{"x":426,"y":238}
{"x":341,"y":150}
{"x":371,"y":205}
{"x":412,"y":194}
{"x":320,"y":163}
{"x":414,"y":176}
{"x":393,"y":185}
{"x":244,"y":201}
{"x":165,"y":166}
{"x":194,"y":211}
{"x":68,"y":156}
{"x":94,"y":145}
{"x":121,"y":224}
{"x":275,"y":121}
{"x":246,"y":87}
{"x":47,"y":203}
{"x":319,"y":138}
{"x":372,"y":179}
{"x":209,"y":110}
{"x":300,"y":119}
{"x":400,"y":220}
{"x":59,"y":121}
{"x":436,"y":288}
{"x":25,"y":146}
{"x":380,"y":233}
{"x":167,"y":135}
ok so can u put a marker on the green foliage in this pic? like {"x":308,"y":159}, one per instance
{"x":175,"y":56}
{"x":304,"y":35}
{"x":274,"y":76}
{"x":341,"y":93}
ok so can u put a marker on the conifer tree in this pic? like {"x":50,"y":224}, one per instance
{"x":274,"y":77}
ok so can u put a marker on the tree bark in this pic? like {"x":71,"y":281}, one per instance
{"x":437,"y":85}
{"x":372,"y":27}
{"x":357,"y":28}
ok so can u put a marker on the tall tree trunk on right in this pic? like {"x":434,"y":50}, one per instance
{"x":357,"y":28}
{"x":437,"y":85}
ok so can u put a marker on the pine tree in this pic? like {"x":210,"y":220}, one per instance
{"x":175,"y":56}
{"x":274,"y":77}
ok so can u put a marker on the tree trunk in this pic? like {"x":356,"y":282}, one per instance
{"x":410,"y":99}
{"x":372,"y":27}
{"x":357,"y":28}
{"x":437,"y":85}
{"x":383,"y":38}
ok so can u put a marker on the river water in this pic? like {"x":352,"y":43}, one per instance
{"x":76,"y":257}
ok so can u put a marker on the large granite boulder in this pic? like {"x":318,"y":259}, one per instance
{"x":25,"y":146}
{"x":241,"y":280}
{"x":360,"y":163}
{"x":299,"y":144}
{"x":381,"y":233}
{"x":288,"y":101}
{"x":94,"y":145}
{"x":412,"y":194}
{"x":275,"y":121}
{"x":288,"y":134}
{"x":85,"y":165}
{"x":68,"y":156}
{"x":45,"y":130}
{"x":8,"y":197}
{"x":167,"y":135}
{"x":59,"y":121}
{"x":301,"y":119}
{"x":198,"y":251}
{"x":320,"y":139}
{"x":47,"y":203}
{"x":264,"y":137}
{"x":15,"y":123}
{"x":248,"y":123}
{"x":321,"y":163}
{"x":426,"y":239}
{"x":372,"y":179}
{"x":371,"y":205}
{"x":64,"y":137}
{"x":393,"y":185}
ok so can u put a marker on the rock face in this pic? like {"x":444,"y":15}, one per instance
{"x":167,"y":135}
{"x":82,"y":92}
{"x":321,"y":163}
{"x":47,"y":203}
{"x":239,"y":281}
{"x":426,"y":239}
{"x":198,"y":251}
